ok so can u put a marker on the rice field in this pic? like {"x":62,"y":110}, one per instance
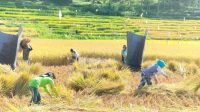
{"x":99,"y":82}
{"x":173,"y":49}
{"x":45,"y":23}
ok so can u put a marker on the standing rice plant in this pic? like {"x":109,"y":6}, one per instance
{"x":147,"y":63}
{"x":7,"y":83}
{"x":36,"y":68}
{"x":5,"y":69}
{"x":22,"y":66}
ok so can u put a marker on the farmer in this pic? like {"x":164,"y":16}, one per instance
{"x":42,"y":81}
{"x":26,"y":49}
{"x":124,"y":54}
{"x":151,"y":72}
{"x":75,"y":55}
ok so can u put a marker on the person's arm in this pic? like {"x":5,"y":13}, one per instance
{"x":162,"y":72}
{"x":21,"y":45}
{"x":155,"y":79}
{"x":55,"y":91}
{"x":30,"y":48}
{"x":53,"y":88}
{"x":46,"y":90}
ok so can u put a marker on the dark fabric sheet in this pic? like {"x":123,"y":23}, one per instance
{"x":135,"y":44}
{"x":9,"y":45}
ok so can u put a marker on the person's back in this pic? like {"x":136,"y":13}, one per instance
{"x":41,"y":82}
{"x":75,"y":55}
{"x":151,"y":70}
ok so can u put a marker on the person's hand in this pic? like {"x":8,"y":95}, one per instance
{"x":50,"y":95}
{"x":167,"y":77}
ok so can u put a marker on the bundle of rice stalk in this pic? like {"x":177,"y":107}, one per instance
{"x":20,"y":86}
{"x":65,"y":94}
{"x":108,"y":87}
{"x":173,"y":66}
{"x":108,"y":74}
{"x":192,"y":69}
{"x":194,"y":83}
{"x":197,"y":87}
{"x":77,"y":82}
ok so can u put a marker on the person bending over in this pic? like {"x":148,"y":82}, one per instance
{"x":42,"y":81}
{"x":151,"y":72}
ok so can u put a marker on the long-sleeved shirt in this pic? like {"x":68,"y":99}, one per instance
{"x":152,"y":70}
{"x":160,"y":71}
{"x":43,"y":82}
{"x":75,"y":55}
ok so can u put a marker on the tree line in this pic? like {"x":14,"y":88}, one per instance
{"x":147,"y":8}
{"x":144,"y":8}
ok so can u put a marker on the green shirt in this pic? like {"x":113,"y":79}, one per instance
{"x":43,"y":82}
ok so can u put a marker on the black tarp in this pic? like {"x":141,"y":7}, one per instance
{"x":135,"y":46}
{"x":9,"y":45}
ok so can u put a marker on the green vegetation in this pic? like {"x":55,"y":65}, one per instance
{"x":149,"y":8}
{"x":40,"y":20}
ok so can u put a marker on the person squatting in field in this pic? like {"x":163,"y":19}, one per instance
{"x":124,"y":54}
{"x":151,"y":72}
{"x":26,"y":49}
{"x":75,"y":55}
{"x":41,"y":81}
